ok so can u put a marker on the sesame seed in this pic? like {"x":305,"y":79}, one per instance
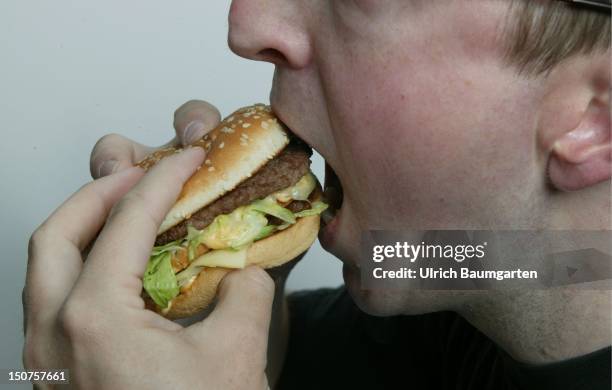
{"x":256,"y":117}
{"x":227,"y":130}
{"x":207,"y":162}
{"x":221,"y":145}
{"x":240,"y":121}
{"x":246,"y":125}
{"x":210,"y":169}
{"x":264,"y":125}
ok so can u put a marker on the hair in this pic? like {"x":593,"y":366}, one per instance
{"x":543,"y":33}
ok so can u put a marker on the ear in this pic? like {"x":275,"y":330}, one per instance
{"x":580,"y":153}
{"x":582,"y":157}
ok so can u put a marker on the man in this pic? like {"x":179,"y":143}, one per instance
{"x":434,"y":115}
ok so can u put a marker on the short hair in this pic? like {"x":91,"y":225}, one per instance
{"x":543,"y":33}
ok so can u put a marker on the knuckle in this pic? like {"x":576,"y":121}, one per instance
{"x":37,"y":239}
{"x":70,"y":318}
{"x":78,"y":321}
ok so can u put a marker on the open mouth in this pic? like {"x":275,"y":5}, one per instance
{"x":333,"y":195}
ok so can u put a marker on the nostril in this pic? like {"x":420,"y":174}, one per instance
{"x":271,"y":55}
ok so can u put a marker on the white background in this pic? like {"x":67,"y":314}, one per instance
{"x":72,"y":71}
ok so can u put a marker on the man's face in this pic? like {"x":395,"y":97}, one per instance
{"x":411,"y":104}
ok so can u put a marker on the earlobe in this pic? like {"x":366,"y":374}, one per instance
{"x":582,"y":157}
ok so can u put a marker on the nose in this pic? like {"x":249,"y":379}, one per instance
{"x":271,"y":31}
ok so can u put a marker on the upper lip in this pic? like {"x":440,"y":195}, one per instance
{"x":294,"y":130}
{"x":329,"y":178}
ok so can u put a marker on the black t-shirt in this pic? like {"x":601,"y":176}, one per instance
{"x":334,"y":345}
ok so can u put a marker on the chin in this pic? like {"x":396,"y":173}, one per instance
{"x":392,"y":302}
{"x":374,"y":302}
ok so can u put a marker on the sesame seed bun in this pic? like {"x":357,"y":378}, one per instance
{"x":240,"y":145}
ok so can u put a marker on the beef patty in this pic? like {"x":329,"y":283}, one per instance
{"x":283,"y":171}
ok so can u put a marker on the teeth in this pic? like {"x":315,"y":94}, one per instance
{"x":328,"y":215}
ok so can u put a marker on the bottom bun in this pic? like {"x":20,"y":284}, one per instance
{"x":270,"y":252}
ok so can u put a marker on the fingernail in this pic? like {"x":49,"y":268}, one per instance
{"x":107,"y":167}
{"x":193,"y":132}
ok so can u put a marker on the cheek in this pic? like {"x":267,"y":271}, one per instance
{"x":423,"y":138}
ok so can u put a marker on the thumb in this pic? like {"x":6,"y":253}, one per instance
{"x":242,"y":313}
{"x":245,"y":298}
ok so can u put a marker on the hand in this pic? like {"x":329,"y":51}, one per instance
{"x":89,"y":316}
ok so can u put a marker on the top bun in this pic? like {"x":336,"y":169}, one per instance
{"x":237,"y":148}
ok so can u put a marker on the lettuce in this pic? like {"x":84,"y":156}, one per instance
{"x":193,"y":240}
{"x":270,"y":207}
{"x":226,"y":258}
{"x":265,"y":232}
{"x":159,"y":280}
{"x":169,"y":247}
{"x":316,"y":208}
{"x":234,"y":230}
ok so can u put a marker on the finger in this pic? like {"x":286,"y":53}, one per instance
{"x":194,"y":119}
{"x":54,"y":252}
{"x":243,"y":310}
{"x":114,"y":152}
{"x":118,"y":259}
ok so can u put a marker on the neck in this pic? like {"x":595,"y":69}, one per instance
{"x":544,"y":326}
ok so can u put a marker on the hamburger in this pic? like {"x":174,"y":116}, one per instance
{"x":254,"y":200}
